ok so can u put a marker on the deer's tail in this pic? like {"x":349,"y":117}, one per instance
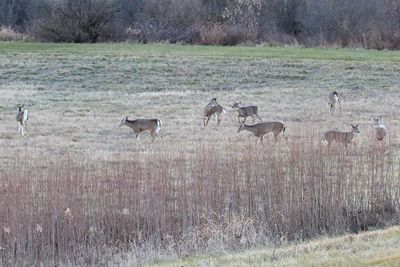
{"x":158,"y":129}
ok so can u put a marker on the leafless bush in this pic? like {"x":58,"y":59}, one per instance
{"x":73,"y":21}
{"x":225,"y":34}
{"x":156,"y":31}
{"x":345,"y":23}
{"x":65,"y":210}
{"x":7,"y":34}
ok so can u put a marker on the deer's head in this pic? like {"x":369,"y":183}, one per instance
{"x":354,"y":129}
{"x":123,"y":121}
{"x":20,"y":107}
{"x":377,"y":121}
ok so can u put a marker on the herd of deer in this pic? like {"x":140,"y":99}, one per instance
{"x":153,"y":126}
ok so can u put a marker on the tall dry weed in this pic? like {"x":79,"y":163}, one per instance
{"x":65,"y":210}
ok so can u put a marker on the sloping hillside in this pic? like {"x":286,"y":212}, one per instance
{"x":375,"y":248}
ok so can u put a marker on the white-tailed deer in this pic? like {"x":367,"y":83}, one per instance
{"x":342,"y":137}
{"x":263,"y":128}
{"x":334,"y":101}
{"x":212,"y":108}
{"x":141,"y":125}
{"x":22,"y":119}
{"x":380,"y":129}
{"x":244,"y":112}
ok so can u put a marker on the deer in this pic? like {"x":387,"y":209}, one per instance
{"x":342,"y":137}
{"x":263,"y":128}
{"x":334,"y":101}
{"x":244,"y":112}
{"x":153,"y":126}
{"x":380,"y":129}
{"x":22,"y":118}
{"x":212,"y":108}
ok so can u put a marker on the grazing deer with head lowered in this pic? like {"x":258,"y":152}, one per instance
{"x":141,"y":125}
{"x":244,"y":112}
{"x":342,"y":137}
{"x":334,"y":101}
{"x":263,"y":128}
{"x":212,"y":108}
{"x":380,"y":129}
{"x":22,"y":118}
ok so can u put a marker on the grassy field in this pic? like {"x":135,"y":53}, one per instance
{"x":81,"y":92}
{"x":202,"y":189}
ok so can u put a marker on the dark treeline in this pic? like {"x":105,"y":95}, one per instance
{"x":362,"y":23}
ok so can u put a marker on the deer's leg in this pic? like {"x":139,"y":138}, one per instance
{"x":137,"y":138}
{"x":275,"y":138}
{"x":160,"y":133}
{"x":239,"y":120}
{"x":261,"y":139}
{"x":218,"y":119}
{"x":206,"y":123}
{"x":152,"y":136}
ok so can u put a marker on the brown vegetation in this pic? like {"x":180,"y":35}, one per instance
{"x":60,"y":209}
{"x":79,"y":190}
{"x":345,"y":23}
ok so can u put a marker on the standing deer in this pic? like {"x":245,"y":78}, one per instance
{"x":141,"y":125}
{"x":334,"y":101}
{"x":342,"y":137}
{"x":263,"y":128}
{"x":380,"y":129}
{"x":212,"y":108}
{"x":22,"y":118}
{"x":244,"y":112}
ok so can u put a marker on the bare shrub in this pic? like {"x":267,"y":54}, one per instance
{"x":73,"y":21}
{"x":64,"y":209}
{"x":155,"y":31}
{"x":225,"y":34}
{"x":7,"y":34}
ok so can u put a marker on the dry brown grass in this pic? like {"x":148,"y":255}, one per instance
{"x":374,"y":248}
{"x":79,"y":189}
{"x":60,"y":209}
{"x":7,"y":34}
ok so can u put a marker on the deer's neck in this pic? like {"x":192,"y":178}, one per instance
{"x":351,"y":135}
{"x":250,"y":128}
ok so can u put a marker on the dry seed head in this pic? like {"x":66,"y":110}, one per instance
{"x":39,"y":228}
{"x":6,"y":229}
{"x":125,"y":211}
{"x":68,"y":213}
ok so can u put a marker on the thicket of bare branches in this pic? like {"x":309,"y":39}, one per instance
{"x":58,"y":210}
{"x":346,"y":23}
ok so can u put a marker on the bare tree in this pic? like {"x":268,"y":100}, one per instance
{"x":75,"y":21}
